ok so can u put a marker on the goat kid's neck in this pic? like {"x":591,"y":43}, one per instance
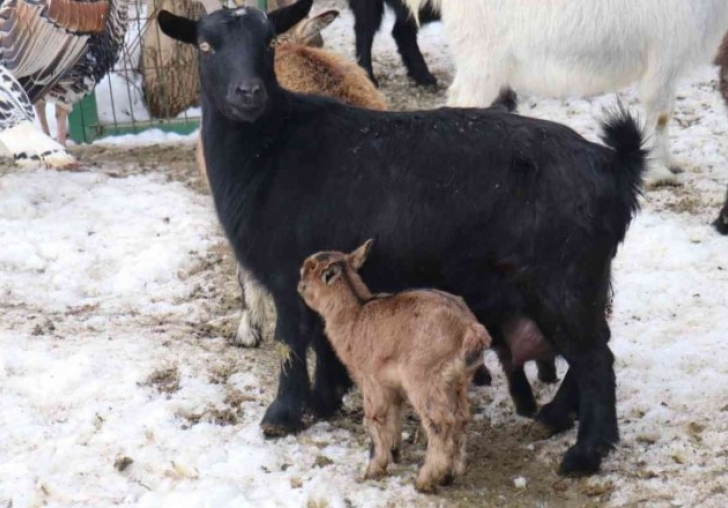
{"x":343,"y":309}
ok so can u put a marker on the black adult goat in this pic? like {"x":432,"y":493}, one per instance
{"x":367,"y":20}
{"x":519,"y":216}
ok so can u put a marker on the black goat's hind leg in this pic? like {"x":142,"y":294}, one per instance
{"x":547,"y":371}
{"x":482,"y":376}
{"x":593,"y":372}
{"x":558,"y":415}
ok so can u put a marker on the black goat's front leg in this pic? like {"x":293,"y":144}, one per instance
{"x":593,"y":372}
{"x":405,"y":35}
{"x":284,"y":415}
{"x":331,"y":381}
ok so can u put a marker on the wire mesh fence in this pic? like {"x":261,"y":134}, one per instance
{"x":154,"y":83}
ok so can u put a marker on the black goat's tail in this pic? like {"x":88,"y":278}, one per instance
{"x":623,"y":133}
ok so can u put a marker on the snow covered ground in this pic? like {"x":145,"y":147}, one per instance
{"x":117,"y":385}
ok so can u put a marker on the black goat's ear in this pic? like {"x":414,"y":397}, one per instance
{"x":331,"y":273}
{"x":177,"y":27}
{"x":285,"y":18}
{"x":357,"y":258}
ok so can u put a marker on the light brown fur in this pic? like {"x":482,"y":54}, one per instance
{"x":421,"y":345}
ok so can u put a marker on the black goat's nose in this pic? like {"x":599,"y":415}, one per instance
{"x":249,"y":90}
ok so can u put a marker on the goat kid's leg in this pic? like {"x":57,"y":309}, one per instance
{"x":252,"y":316}
{"x":405,"y":35}
{"x":367,"y":19}
{"x":331,"y":380}
{"x":380,"y":409}
{"x":459,"y":433}
{"x":593,"y":372}
{"x":438,"y":457}
{"x":284,"y":415}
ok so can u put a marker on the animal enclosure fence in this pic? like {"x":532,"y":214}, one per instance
{"x":154,"y":83}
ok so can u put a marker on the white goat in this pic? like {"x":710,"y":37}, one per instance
{"x":580,"y":47}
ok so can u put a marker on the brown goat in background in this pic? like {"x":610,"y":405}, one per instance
{"x":421,"y":345}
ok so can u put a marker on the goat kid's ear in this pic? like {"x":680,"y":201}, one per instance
{"x":331,"y":273}
{"x":177,"y":27}
{"x":312,"y":27}
{"x":285,"y":18}
{"x":359,"y":256}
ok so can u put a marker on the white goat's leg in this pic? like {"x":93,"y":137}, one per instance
{"x":658,"y":99}
{"x":476,"y":84}
{"x":253,"y":313}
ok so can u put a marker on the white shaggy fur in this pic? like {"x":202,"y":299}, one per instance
{"x":258,"y":312}
{"x":580,"y":47}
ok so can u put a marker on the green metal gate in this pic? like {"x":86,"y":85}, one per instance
{"x":85,"y":124}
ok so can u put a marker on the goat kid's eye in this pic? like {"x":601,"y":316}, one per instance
{"x":205,"y":47}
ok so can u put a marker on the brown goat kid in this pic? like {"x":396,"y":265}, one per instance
{"x":419,"y":345}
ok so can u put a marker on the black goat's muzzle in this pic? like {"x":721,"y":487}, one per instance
{"x":247,"y":100}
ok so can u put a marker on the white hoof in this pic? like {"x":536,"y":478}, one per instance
{"x":659,"y":176}
{"x":247,"y":335}
{"x":59,"y":160}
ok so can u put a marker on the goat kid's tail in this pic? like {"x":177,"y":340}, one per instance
{"x":623,"y":133}
{"x":475,"y":341}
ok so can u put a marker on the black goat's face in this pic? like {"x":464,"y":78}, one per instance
{"x":236,"y":55}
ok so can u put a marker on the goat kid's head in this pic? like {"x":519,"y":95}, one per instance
{"x":236,"y":54}
{"x":325,"y":272}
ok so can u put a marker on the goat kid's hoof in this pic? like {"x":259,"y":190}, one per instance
{"x":448,"y":479}
{"x":425,"y":487}
{"x":280,"y":420}
{"x":375,"y":473}
{"x":580,"y":461}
